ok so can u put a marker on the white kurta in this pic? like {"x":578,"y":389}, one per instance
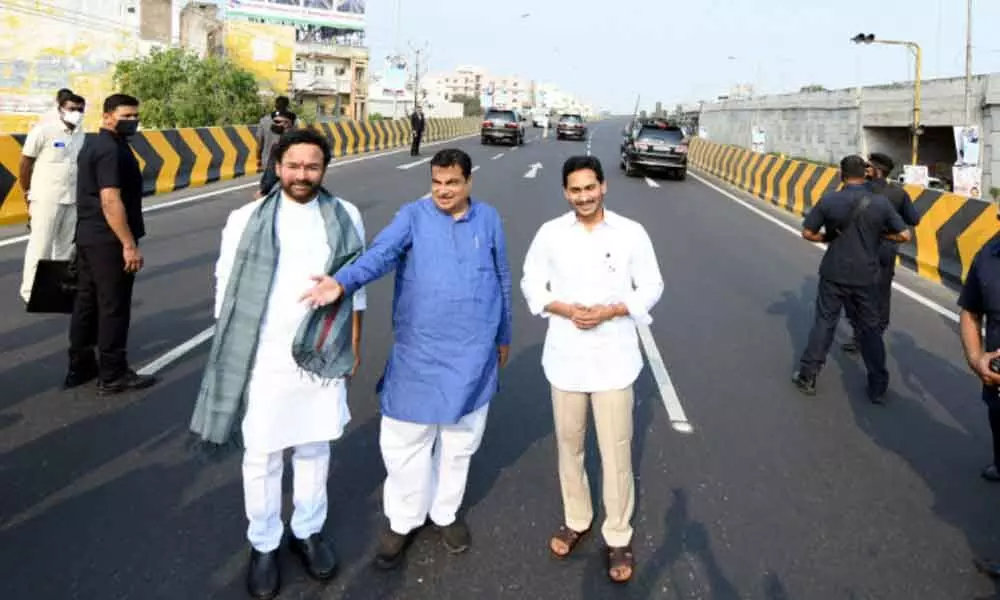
{"x":285,"y":408}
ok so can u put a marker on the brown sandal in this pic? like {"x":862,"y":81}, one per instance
{"x":567,"y":536}
{"x":620,"y":559}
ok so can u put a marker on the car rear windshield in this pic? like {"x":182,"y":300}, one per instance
{"x":570,"y":119}
{"x":668,"y":136}
{"x":500,"y":115}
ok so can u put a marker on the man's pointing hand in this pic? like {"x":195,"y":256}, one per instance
{"x":326,"y":291}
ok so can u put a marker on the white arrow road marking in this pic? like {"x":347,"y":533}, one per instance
{"x":475,"y":168}
{"x":497,"y":156}
{"x":651,"y":183}
{"x":533,"y":171}
{"x":414,"y":164}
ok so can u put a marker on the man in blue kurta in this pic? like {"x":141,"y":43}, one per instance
{"x":451,"y":314}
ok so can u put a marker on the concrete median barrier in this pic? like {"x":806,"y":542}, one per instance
{"x":174,"y":159}
{"x":952,"y":227}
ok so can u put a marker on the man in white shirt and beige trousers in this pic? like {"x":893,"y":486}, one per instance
{"x":593,"y":274}
{"x":47,"y":174}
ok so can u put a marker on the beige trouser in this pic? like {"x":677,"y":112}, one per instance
{"x":613,"y":421}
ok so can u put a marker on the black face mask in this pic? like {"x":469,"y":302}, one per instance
{"x":127,"y":128}
{"x":277,"y":129}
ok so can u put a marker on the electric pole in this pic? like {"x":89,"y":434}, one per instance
{"x":416,"y":73}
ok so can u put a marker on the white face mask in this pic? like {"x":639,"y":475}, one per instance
{"x":72,"y":117}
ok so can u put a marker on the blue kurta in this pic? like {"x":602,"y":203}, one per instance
{"x":451,"y":308}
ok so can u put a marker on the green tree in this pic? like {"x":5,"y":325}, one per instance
{"x":176,"y":88}
{"x":471,"y":106}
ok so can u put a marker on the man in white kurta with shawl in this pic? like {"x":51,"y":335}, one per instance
{"x":295,"y":396}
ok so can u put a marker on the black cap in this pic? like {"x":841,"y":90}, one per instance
{"x":881,"y":162}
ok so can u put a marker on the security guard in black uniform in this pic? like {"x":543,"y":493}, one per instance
{"x":879,"y":167}
{"x":854,"y":220}
{"x":980,"y":302}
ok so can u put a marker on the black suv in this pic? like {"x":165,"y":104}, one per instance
{"x":654,"y":144}
{"x":502,"y":125}
{"x":571,"y":126}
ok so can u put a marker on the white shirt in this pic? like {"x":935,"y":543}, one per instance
{"x":610,"y":264}
{"x":55,"y":147}
{"x":286,"y":408}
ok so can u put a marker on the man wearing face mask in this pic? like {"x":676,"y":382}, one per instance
{"x":281,"y":121}
{"x":47,"y":174}
{"x":267,"y":136}
{"x":109,"y":227}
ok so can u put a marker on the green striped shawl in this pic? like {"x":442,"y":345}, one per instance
{"x":322,"y":346}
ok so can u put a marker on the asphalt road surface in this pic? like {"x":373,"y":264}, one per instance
{"x":772,"y":495}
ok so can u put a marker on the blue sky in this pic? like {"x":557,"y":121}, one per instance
{"x":678,"y":51}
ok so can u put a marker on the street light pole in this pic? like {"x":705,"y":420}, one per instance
{"x":914,"y":47}
{"x":968,"y":62}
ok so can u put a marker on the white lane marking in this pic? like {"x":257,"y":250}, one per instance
{"x":497,"y":156}
{"x":651,"y":183}
{"x":927,"y":302}
{"x":533,"y":170}
{"x":475,"y":168}
{"x":172,"y":355}
{"x":514,"y":149}
{"x":234,"y":188}
{"x":590,"y":140}
{"x":414,"y":164}
{"x":678,"y":420}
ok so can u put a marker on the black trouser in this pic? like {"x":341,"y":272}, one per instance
{"x":860,"y":301}
{"x":887,"y":272}
{"x":102,"y":311}
{"x":994,"y":414}
{"x":415,"y":147}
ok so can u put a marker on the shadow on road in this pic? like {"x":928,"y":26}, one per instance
{"x":947,"y":458}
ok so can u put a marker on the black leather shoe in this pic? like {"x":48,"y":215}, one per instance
{"x":263,"y":575}
{"x":81,"y":375}
{"x":127,"y":382}
{"x":988,"y":567}
{"x":392,"y":548}
{"x":456,"y":536}
{"x":316,"y":555}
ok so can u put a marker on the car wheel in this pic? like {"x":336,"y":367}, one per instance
{"x":682,"y":175}
{"x":629,"y":169}
{"x":485,"y":141}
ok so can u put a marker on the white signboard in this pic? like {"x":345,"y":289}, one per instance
{"x":968,"y":181}
{"x":967,"y":144}
{"x":916,"y":175}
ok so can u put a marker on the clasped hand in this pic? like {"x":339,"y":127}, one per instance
{"x":588,"y":317}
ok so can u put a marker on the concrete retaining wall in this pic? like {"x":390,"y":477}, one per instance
{"x":951,"y":231}
{"x":825,"y":126}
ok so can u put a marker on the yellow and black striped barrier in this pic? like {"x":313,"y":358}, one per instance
{"x":174,"y":159}
{"x":952,"y":228}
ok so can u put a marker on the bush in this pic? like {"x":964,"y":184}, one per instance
{"x":177,"y":88}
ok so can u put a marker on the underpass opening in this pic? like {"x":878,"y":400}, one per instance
{"x":936,"y":151}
